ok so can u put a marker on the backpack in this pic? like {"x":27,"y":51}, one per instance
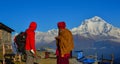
{"x":20,"y":40}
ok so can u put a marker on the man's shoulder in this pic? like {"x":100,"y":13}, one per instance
{"x":30,"y":32}
{"x":67,"y":30}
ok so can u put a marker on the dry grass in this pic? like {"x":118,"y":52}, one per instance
{"x":48,"y":61}
{"x":51,"y":60}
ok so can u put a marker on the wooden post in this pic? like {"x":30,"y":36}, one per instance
{"x":3,"y":53}
{"x":112,"y":58}
{"x":20,"y":58}
{"x":70,"y":54}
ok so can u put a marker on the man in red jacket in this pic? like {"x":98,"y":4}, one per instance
{"x":30,"y":43}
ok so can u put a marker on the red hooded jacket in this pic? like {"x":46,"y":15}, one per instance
{"x":30,"y":39}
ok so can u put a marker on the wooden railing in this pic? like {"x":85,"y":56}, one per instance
{"x":8,"y":54}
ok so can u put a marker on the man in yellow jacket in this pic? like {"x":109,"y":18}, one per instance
{"x":65,"y":44}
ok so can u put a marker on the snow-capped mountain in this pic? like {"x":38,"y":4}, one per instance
{"x":90,"y":28}
{"x":46,"y":37}
{"x":96,"y":26}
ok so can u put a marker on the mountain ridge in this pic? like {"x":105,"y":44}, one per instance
{"x":96,"y":26}
{"x":90,"y":28}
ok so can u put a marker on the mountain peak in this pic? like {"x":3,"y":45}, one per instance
{"x":94,"y":19}
{"x":95,"y":26}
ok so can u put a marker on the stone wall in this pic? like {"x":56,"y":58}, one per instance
{"x":5,"y":37}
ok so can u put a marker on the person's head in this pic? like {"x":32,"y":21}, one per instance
{"x":61,"y":25}
{"x":33,"y":25}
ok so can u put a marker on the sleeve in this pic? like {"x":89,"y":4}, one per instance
{"x":32,"y":40}
{"x":63,"y":42}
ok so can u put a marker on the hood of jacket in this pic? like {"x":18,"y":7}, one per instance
{"x":33,"y":26}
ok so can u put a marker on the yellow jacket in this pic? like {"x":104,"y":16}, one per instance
{"x":65,"y":42}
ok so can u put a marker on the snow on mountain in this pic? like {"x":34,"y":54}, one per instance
{"x":46,"y":36}
{"x":96,"y":26}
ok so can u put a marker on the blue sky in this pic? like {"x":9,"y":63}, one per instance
{"x":17,"y":14}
